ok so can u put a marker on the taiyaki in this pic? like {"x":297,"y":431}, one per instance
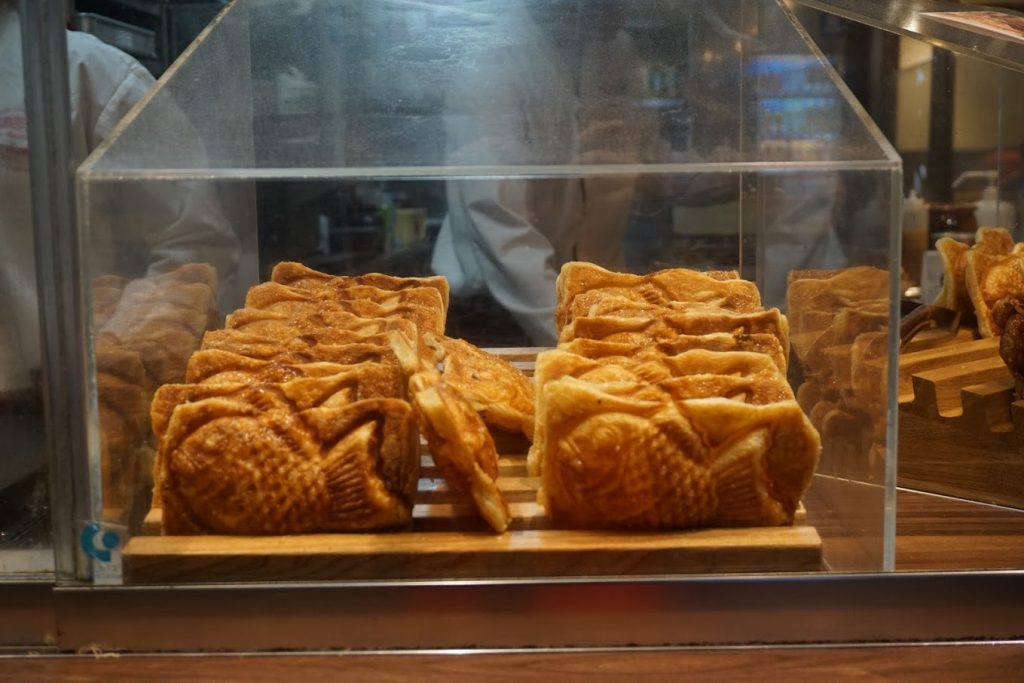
{"x":460,"y":445}
{"x":283,"y":459}
{"x":499,"y":392}
{"x":667,"y":327}
{"x":302,"y":277}
{"x":715,"y":288}
{"x":613,"y":460}
{"x":767,"y":344}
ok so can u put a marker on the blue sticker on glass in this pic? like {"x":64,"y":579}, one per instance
{"x":107,"y":540}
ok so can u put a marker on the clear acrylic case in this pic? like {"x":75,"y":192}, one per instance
{"x":491,"y":142}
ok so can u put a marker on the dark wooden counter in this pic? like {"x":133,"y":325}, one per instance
{"x":976,"y":662}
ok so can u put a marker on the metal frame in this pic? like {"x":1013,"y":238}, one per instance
{"x":63,"y":302}
{"x":546,"y":614}
{"x":29,"y":617}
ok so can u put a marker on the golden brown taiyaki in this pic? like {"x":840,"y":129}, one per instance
{"x":460,"y":445}
{"x":421,"y":305}
{"x":613,"y":460}
{"x":668,"y":327}
{"x":302,"y":277}
{"x":767,"y":344}
{"x":291,"y":320}
{"x":499,"y":392}
{"x":268,"y":293}
{"x":739,"y":376}
{"x":762,"y":457}
{"x":987,"y":241}
{"x":297,"y":348}
{"x":613,"y":455}
{"x":632,"y":302}
{"x":715,"y":288}
{"x":282,"y":459}
{"x":379,"y":378}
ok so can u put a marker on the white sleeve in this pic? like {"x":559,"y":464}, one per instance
{"x":493,"y":235}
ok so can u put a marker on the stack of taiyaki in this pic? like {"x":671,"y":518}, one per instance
{"x":666,"y":405}
{"x":840,"y":327}
{"x":302,"y":415}
{"x":976,"y":278}
{"x":146,"y":329}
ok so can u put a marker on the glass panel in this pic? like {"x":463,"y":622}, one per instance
{"x":491,"y":143}
{"x":957,"y":120}
{"x":24,"y":494}
{"x":427,"y":89}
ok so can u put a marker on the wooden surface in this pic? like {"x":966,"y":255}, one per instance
{"x":449,"y":540}
{"x":939,"y":533}
{"x":961,"y":433}
{"x":967,"y":662}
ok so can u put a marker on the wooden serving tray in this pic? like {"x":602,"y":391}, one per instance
{"x":960,"y":431}
{"x":449,"y":541}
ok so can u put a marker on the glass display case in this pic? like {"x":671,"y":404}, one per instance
{"x":491,"y":143}
{"x":943,"y":83}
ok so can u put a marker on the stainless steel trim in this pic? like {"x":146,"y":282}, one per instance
{"x":62,"y":299}
{"x":547,"y":613}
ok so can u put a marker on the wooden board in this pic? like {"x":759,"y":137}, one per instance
{"x":448,"y":540}
{"x":960,"y":432}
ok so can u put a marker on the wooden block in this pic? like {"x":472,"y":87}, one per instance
{"x":464,"y":555}
{"x":987,"y":406}
{"x":464,"y":517}
{"x":941,"y":357}
{"x":507,"y":467}
{"x":515,"y":489}
{"x":937,"y":392}
{"x":941,"y":457}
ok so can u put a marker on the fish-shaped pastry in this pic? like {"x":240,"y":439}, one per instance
{"x":768,"y":344}
{"x":643,"y":330}
{"x":421,"y":305}
{"x":460,"y":445}
{"x":498,"y":391}
{"x":616,"y":455}
{"x":283,"y":459}
{"x":303,"y":277}
{"x":735,"y":375}
{"x":722,"y":289}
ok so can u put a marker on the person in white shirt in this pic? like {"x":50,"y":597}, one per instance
{"x":175,"y":225}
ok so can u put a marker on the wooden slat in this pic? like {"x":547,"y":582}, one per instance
{"x":457,"y":516}
{"x":157,"y":559}
{"x":507,"y":467}
{"x":937,"y":392}
{"x":515,"y":489}
{"x":941,"y":357}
